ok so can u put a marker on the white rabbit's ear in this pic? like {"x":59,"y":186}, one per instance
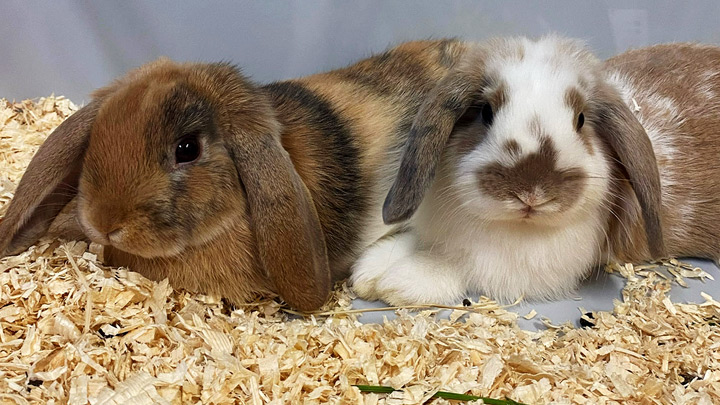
{"x":429,"y":134}
{"x":49,"y":182}
{"x":617,"y":126}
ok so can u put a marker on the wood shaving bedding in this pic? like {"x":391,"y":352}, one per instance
{"x":78,"y":332}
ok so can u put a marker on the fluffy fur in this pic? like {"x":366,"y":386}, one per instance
{"x":285,"y":193}
{"x":528,"y":199}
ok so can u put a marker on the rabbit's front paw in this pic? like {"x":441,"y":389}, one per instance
{"x":418,"y":280}
{"x":394,"y":271}
{"x":376,"y":262}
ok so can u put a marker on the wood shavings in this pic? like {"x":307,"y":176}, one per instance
{"x":75,"y":331}
{"x":671,"y":269}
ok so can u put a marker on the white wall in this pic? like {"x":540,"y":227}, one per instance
{"x":71,"y":47}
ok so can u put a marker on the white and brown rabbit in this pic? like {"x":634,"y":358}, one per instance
{"x":192,"y":172}
{"x":550,"y":163}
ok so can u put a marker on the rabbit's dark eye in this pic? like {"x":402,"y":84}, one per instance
{"x":487,"y":114}
{"x":188,"y":149}
{"x":580,"y":121}
{"x":469,"y":116}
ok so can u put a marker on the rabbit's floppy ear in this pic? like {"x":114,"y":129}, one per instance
{"x":429,"y":134}
{"x":48,"y":184}
{"x":291,"y":243}
{"x":290,"y":240}
{"x":616,"y":124}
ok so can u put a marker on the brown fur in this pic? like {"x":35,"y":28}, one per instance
{"x":615,"y":124}
{"x":680,"y":74}
{"x":537,"y":130}
{"x":28,"y":220}
{"x":513,"y":147}
{"x":497,"y":97}
{"x":575,"y":100}
{"x":279,"y":197}
{"x":534,"y":179}
{"x":429,"y":134}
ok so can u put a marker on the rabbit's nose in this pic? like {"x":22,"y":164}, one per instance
{"x":106,"y":229}
{"x":534,"y":198}
{"x":526,"y":198}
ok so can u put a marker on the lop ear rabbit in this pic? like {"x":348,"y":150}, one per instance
{"x":192,"y":172}
{"x":550,"y":163}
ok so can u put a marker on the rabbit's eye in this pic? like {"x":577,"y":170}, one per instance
{"x":487,"y":114}
{"x":580,"y":121}
{"x":188,"y":149}
{"x":469,"y":116}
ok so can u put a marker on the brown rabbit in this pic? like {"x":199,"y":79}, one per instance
{"x":192,"y":172}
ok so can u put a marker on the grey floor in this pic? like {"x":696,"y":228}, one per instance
{"x":596,"y":294}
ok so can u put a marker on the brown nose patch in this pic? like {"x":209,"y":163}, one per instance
{"x":536,"y":170}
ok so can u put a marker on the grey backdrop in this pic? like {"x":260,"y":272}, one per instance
{"x":71,"y":47}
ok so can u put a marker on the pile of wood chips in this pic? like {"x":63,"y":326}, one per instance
{"x":76,"y":331}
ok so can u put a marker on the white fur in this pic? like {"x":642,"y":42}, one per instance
{"x":395,"y":271}
{"x":464,"y":241}
{"x":375,"y":229}
{"x":450,"y":253}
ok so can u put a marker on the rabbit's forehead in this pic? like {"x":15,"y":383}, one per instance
{"x":543,"y":71}
{"x":119,"y":128}
{"x":527,"y":117}
{"x":132,"y":139}
{"x":550,"y":99}
{"x":129,"y":110}
{"x":544,"y":93}
{"x":145,"y":118}
{"x":540,"y":82}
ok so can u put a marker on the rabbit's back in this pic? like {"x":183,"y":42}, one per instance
{"x":674,"y":91}
{"x":345,"y":130}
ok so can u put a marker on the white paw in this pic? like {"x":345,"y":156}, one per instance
{"x":376,"y":261}
{"x":420,"y":280}
{"x":394,"y":272}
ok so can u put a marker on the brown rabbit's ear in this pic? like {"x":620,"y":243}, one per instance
{"x":615,"y":123}
{"x":429,"y":134}
{"x":290,"y":239}
{"x":48,"y":184}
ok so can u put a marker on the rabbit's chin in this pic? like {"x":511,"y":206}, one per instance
{"x":152,"y":252}
{"x":538,"y":221}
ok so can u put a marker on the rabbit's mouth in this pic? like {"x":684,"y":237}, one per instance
{"x":133,"y":237}
{"x":530,"y":205}
{"x":545,"y":215}
{"x":536,"y":217}
{"x":148,"y":250}
{"x":142,"y":245}
{"x":528,"y":211}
